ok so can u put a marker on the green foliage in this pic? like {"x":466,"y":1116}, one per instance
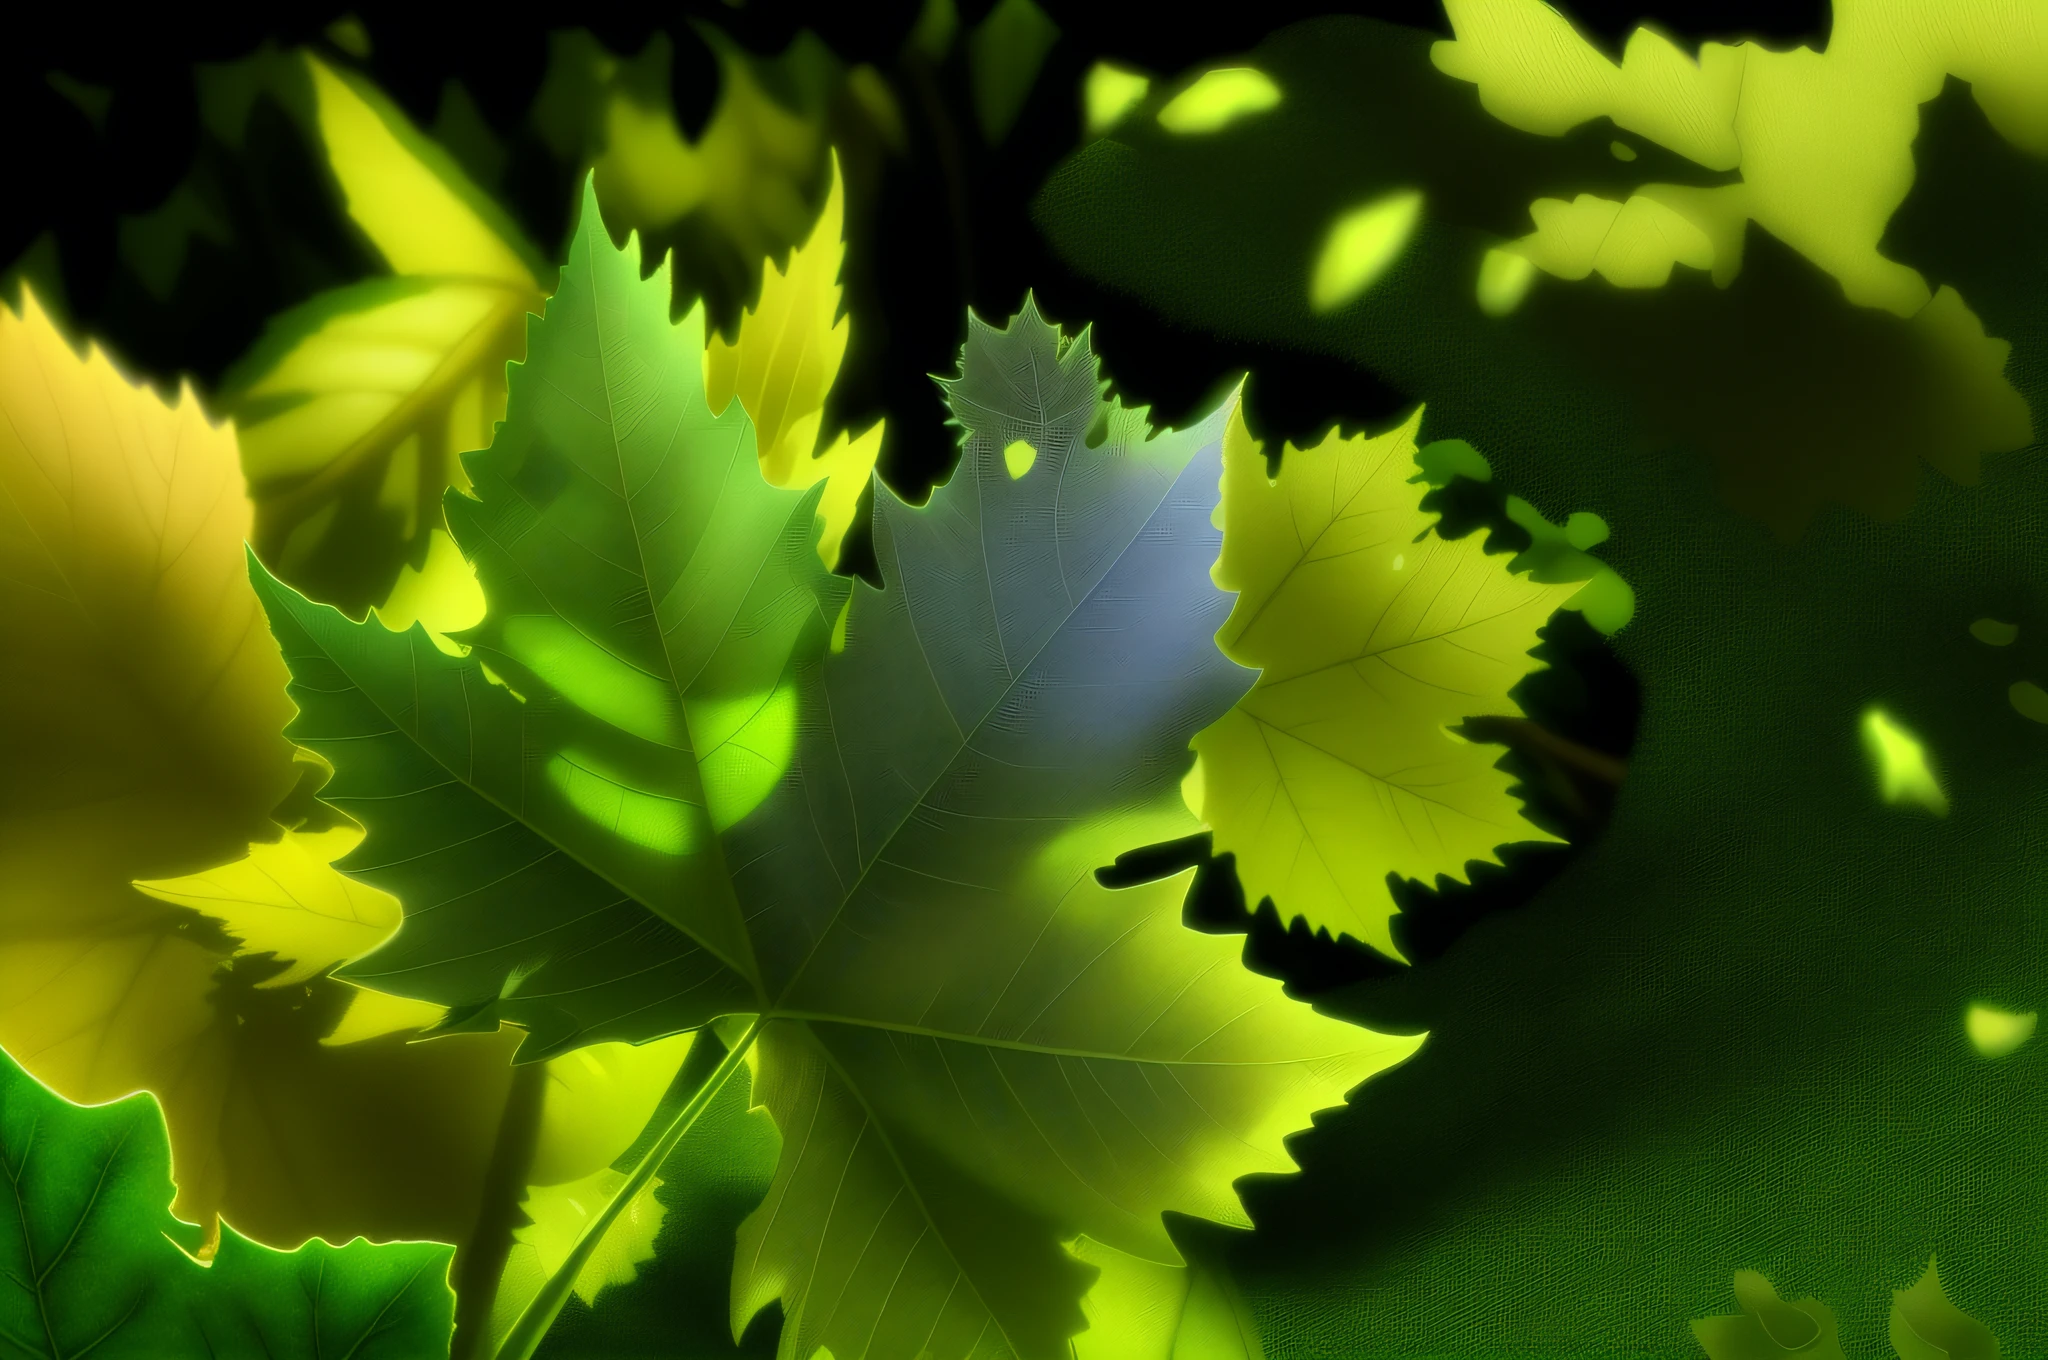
{"x":887,"y":851}
{"x":93,"y":1262}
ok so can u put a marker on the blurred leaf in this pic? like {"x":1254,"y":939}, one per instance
{"x":1926,"y":1326}
{"x":1374,"y":637}
{"x":355,"y":406}
{"x":1768,"y":1328}
{"x":1004,"y":53}
{"x":141,"y":705}
{"x":746,"y":190}
{"x":781,"y":368}
{"x":1798,"y":397}
{"x":95,"y":1264}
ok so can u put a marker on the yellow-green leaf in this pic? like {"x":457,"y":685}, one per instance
{"x":1374,"y":637}
{"x":1768,"y":1328}
{"x":407,"y":196}
{"x":286,"y":898}
{"x":141,"y":706}
{"x":1926,"y":1326}
{"x":356,"y":406}
{"x":783,"y":365}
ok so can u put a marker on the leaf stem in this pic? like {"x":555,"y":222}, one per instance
{"x":524,"y":1339}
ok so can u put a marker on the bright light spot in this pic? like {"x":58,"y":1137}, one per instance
{"x":1504,"y":279}
{"x":1994,"y":1032}
{"x":1622,"y":151}
{"x":1584,"y":529}
{"x":649,"y":819}
{"x":1360,"y":247}
{"x":744,"y":747}
{"x":601,"y":684}
{"x":1218,"y":99}
{"x":839,"y":625}
{"x":1992,"y":633}
{"x":1903,"y":775}
{"x":2029,"y":700}
{"x":1400,"y":560}
{"x":1108,"y":94}
{"x":1019,"y":457}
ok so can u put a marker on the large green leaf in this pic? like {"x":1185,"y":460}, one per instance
{"x":93,"y":1263}
{"x":678,"y":802}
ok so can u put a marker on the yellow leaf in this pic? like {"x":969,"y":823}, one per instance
{"x":782,"y":366}
{"x":560,"y":1213}
{"x":598,"y":1099}
{"x":286,"y":898}
{"x":422,"y":215}
{"x":141,"y":705}
{"x":355,"y":407}
{"x":1823,"y":140}
{"x":1374,"y":636}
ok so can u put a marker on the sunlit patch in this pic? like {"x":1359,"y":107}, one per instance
{"x":743,"y":747}
{"x":1900,"y":760}
{"x":1108,"y":93}
{"x":1622,"y":150}
{"x":1218,"y":99}
{"x":838,"y":643}
{"x":2029,"y":700}
{"x":442,"y":595}
{"x":1994,"y":1032}
{"x":659,"y":823}
{"x":1992,"y":633}
{"x":1504,"y":279}
{"x":1360,"y":246}
{"x":1019,"y":457}
{"x":1400,"y":560}
{"x":591,"y":678}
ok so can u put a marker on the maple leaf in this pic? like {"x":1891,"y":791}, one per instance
{"x":679,"y":806}
{"x":354,"y":406}
{"x":1374,"y":637}
{"x":93,"y":1262}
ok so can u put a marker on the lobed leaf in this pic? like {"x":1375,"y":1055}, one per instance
{"x":92,"y":1262}
{"x":975,"y":1051}
{"x":1374,"y":638}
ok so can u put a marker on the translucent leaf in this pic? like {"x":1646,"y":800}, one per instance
{"x":93,"y":1260}
{"x":1373,"y":637}
{"x":975,"y":1051}
{"x":1926,"y":1326}
{"x":781,"y":368}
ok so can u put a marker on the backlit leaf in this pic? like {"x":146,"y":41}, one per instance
{"x":355,"y":405}
{"x":1374,"y":637}
{"x":781,"y":368}
{"x":93,"y":1263}
{"x":141,"y":709}
{"x":974,"y":1050}
{"x":1926,"y":1326}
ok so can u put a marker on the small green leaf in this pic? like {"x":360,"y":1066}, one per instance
{"x":92,"y":1262}
{"x":1768,"y":1328}
{"x":1926,"y":1326}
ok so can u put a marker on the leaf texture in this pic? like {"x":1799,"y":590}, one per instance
{"x":974,"y":1050}
{"x":93,"y":1263}
{"x":1374,"y":637}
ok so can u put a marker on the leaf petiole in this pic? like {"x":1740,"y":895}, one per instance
{"x":524,"y":1339}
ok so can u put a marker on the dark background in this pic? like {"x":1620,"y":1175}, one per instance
{"x":948,"y":229}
